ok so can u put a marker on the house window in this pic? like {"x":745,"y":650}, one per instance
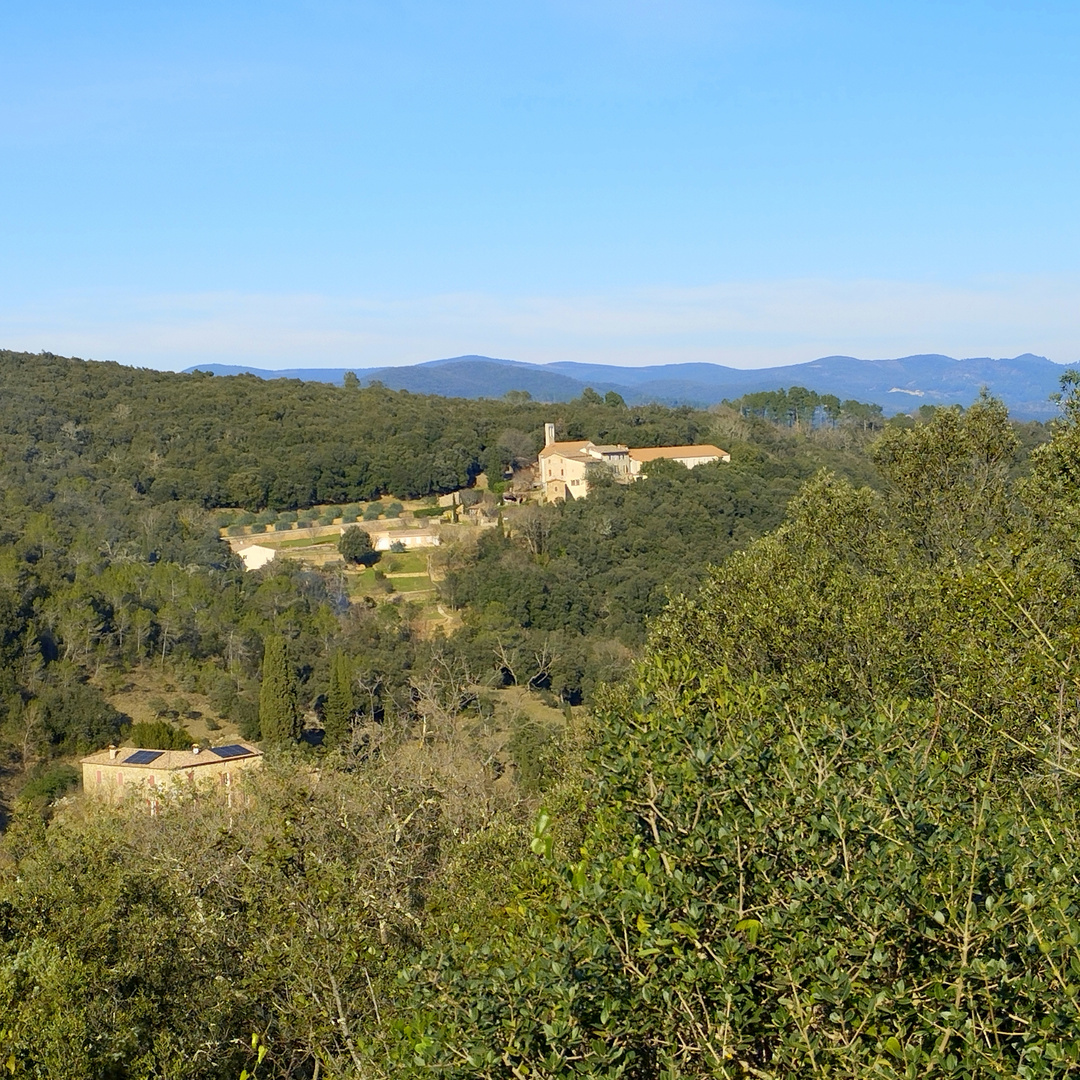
{"x":99,"y":776}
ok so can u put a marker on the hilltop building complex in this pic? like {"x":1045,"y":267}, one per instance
{"x":565,"y":466}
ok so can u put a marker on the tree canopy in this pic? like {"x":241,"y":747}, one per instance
{"x":790,"y":788}
{"x":356,"y":547}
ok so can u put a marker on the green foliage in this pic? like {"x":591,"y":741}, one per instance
{"x":245,"y":712}
{"x":77,"y":719}
{"x":600,"y":567}
{"x":534,"y":749}
{"x":774,"y":891}
{"x":280,"y":719}
{"x":340,"y":707}
{"x":1052,"y":494}
{"x":393,"y":509}
{"x":799,"y":407}
{"x":356,"y":547}
{"x":835,"y":829}
{"x":950,"y":475}
{"x":133,"y":946}
{"x":160,"y":735}
{"x":48,"y":783}
{"x":826,"y":828}
{"x":276,"y":444}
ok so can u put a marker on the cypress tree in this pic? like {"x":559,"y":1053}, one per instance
{"x":340,"y":704}
{"x":279,"y":709}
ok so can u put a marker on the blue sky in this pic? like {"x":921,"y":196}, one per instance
{"x":359,"y":183}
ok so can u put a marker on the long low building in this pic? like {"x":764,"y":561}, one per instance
{"x":565,"y":466}
{"x":690,"y":456}
{"x":122,"y":771}
{"x":255,"y":553}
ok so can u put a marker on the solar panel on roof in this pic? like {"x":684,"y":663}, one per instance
{"x":232,"y":750}
{"x":142,"y":757}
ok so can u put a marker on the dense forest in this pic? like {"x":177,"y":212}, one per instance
{"x":816,"y":818}
{"x":241,"y":441}
{"x":102,"y":568}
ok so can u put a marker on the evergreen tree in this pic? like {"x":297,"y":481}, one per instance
{"x":279,"y":709}
{"x":356,"y":547}
{"x":340,"y":705}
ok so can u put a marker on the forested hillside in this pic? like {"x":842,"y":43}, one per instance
{"x":811,"y":810}
{"x":241,"y":441}
{"x":109,"y":559}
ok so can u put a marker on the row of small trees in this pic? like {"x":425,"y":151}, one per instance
{"x":305,"y":518}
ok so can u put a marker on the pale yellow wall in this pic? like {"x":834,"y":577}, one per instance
{"x":558,"y":473}
{"x":112,"y":781}
{"x":690,"y":462}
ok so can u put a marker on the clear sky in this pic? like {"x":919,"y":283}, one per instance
{"x":355,"y":183}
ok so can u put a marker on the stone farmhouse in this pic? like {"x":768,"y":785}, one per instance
{"x":565,"y":466}
{"x":117,"y":773}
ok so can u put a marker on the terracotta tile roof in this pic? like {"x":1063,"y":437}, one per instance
{"x":651,"y":453}
{"x":563,"y":448}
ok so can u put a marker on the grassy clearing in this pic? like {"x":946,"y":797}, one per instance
{"x":147,"y":683}
{"x":362,"y":583}
{"x":420,"y":583}
{"x":409,"y":562}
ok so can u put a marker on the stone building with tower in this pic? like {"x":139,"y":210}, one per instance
{"x":565,"y":466}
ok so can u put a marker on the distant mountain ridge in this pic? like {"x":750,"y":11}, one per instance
{"x":1024,"y":382}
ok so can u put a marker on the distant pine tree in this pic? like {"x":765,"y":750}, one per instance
{"x":340,"y":704}
{"x":279,"y":710}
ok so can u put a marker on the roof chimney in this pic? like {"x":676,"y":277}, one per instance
{"x":549,"y":434}
{"x":195,"y":747}
{"x":112,"y":752}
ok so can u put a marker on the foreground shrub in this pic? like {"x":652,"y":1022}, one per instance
{"x":780,"y":893}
